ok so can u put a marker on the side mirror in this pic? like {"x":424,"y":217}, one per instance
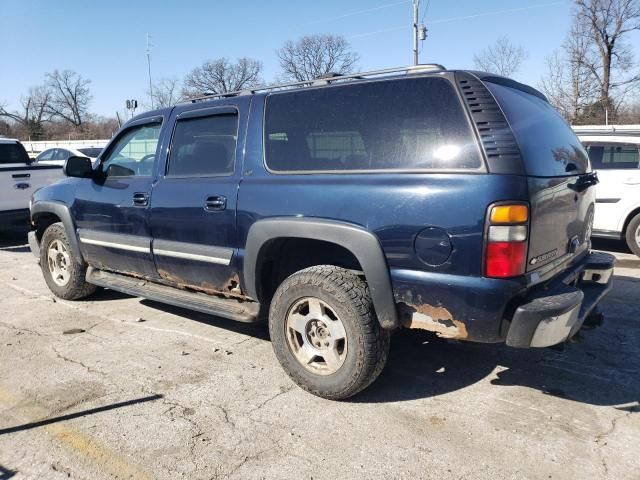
{"x":78,"y":167}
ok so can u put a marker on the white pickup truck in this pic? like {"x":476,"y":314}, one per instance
{"x":19,"y":178}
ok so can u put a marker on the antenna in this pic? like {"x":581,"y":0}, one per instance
{"x":149,"y":45}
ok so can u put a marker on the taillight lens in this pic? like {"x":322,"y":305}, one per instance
{"x":506,"y":259}
{"x":507,"y":234}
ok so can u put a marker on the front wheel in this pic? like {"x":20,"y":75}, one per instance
{"x":633,"y":235}
{"x":325,"y":333}
{"x":64,"y":274}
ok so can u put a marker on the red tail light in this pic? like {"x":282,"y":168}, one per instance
{"x":505,"y":259}
{"x":506,"y":249}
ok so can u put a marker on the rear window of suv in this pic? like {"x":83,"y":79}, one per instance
{"x":547,"y":143}
{"x":408,"y":124}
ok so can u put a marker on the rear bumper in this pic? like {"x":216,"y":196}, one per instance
{"x":554,"y":312}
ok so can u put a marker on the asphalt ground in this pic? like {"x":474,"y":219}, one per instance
{"x":120,"y":387}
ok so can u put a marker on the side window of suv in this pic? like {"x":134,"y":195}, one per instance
{"x":134,"y":153}
{"x":609,"y":157}
{"x":410,"y":124}
{"x":204,"y":146}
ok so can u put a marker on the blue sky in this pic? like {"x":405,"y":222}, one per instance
{"x":105,"y":40}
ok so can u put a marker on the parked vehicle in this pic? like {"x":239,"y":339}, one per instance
{"x":57,"y":156}
{"x":19,"y":178}
{"x":455,"y":202}
{"x":615,"y":153}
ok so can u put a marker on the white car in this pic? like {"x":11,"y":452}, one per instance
{"x":19,"y":178}
{"x":59,"y":155}
{"x":615,"y":154}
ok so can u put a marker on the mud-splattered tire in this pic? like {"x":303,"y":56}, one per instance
{"x":62,"y":272}
{"x":633,"y":235}
{"x":325,"y":333}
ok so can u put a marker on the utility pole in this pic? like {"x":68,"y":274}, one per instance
{"x":416,"y":6}
{"x":149,"y":68}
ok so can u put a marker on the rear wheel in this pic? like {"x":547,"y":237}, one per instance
{"x":633,"y":235}
{"x":325,"y":333}
{"x":64,"y":274}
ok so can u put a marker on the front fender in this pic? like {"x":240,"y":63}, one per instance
{"x":62,"y":211}
{"x":362,"y":243}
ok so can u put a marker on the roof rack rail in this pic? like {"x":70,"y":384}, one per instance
{"x":323,"y":80}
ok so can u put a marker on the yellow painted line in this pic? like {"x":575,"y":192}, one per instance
{"x":78,"y":442}
{"x":92,"y":450}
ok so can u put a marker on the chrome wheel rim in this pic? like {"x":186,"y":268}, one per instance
{"x":316,"y":336}
{"x":638,"y":236}
{"x":58,"y":261}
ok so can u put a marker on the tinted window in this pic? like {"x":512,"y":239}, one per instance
{"x":409,"y":124}
{"x":548,"y":145}
{"x":13,"y":153}
{"x":90,"y":152}
{"x":133,"y":153}
{"x":204,"y":146}
{"x":606,"y":157}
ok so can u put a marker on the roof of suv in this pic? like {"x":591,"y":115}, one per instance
{"x":9,"y":140}
{"x":332,"y":79}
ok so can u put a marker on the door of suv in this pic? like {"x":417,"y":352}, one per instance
{"x":193,"y":208}
{"x":112,"y":214}
{"x":618,"y":169}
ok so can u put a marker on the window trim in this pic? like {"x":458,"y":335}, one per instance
{"x":194,"y":115}
{"x":143,"y":122}
{"x":481,"y":169}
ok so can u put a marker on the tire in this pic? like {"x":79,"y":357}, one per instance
{"x":62,"y":272}
{"x":633,"y":235}
{"x":312,"y":305}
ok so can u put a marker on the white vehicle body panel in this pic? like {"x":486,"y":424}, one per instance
{"x":618,"y":193}
{"x":18,"y":181}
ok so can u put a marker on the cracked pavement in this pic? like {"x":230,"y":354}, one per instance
{"x":186,"y":395}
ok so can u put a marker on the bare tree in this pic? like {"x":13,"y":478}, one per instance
{"x":166,"y":92}
{"x":33,"y":113}
{"x":222,"y":76}
{"x":313,"y":56}
{"x":567,"y":82}
{"x":605,"y":25}
{"x":502,"y":58}
{"x":70,"y":96}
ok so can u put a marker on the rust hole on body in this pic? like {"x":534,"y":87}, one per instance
{"x":435,"y":319}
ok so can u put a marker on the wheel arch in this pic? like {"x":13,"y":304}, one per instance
{"x":627,"y":219}
{"x":49,"y":209}
{"x":364,"y":246}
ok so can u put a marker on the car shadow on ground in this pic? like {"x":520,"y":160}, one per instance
{"x":598,"y":366}
{"x":610,"y":245}
{"x":6,"y":474}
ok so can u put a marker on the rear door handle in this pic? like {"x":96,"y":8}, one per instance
{"x":21,"y":175}
{"x":215,"y":203}
{"x":141,"y":199}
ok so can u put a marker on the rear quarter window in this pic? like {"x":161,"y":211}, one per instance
{"x":408,"y":124}
{"x":547,"y":143}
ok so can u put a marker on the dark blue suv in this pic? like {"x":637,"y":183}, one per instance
{"x":451,"y":201}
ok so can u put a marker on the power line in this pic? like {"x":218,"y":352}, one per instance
{"x":453,"y":19}
{"x":359,"y":12}
{"x":496,"y":12}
